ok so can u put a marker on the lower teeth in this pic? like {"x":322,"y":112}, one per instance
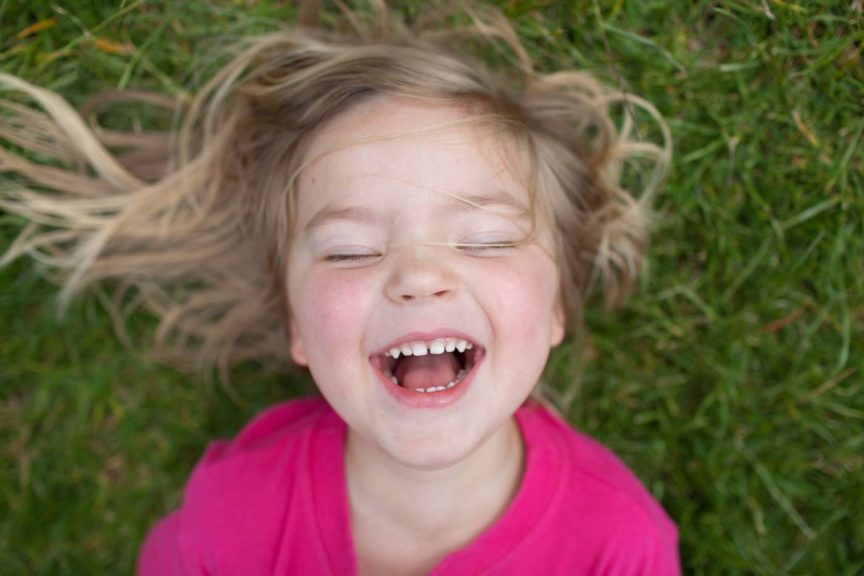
{"x":459,"y":376}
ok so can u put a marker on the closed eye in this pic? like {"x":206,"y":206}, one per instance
{"x":484,"y":247}
{"x":351,"y":256}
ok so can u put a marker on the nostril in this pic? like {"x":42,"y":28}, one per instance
{"x":436,"y":294}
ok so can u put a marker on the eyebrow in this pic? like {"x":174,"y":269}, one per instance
{"x":456,"y":202}
{"x":350,"y":213}
{"x":497,"y":198}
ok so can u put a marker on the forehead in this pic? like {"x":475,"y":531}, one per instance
{"x":422,"y":152}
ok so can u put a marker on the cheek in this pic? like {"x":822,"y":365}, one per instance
{"x":525,"y":297}
{"x":330,"y":311}
{"x":525,"y":311}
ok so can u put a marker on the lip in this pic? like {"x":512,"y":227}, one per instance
{"x":421,"y":400}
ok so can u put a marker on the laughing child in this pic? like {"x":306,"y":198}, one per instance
{"x":416,"y":229}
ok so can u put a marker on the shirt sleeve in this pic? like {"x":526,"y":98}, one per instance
{"x":162,"y":554}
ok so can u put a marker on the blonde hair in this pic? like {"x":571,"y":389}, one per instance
{"x":197,"y":220}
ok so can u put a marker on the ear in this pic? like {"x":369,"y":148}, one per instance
{"x":559,"y":323}
{"x":295,"y":345}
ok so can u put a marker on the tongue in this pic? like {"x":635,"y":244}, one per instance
{"x":426,"y":371}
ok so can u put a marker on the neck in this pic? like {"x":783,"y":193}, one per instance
{"x":433,"y":511}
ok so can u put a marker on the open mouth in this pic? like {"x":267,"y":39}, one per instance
{"x":427,"y":367}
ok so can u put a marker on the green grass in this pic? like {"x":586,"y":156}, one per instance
{"x":733,"y":382}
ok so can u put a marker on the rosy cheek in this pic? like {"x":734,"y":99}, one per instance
{"x":333,"y":306}
{"x":527,"y":292}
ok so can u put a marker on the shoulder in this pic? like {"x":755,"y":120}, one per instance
{"x":239,"y":493}
{"x":267,"y":453}
{"x":589,"y":466}
{"x":600,"y":501}
{"x":269,"y":430}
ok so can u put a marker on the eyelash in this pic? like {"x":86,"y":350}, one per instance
{"x":485,"y":246}
{"x":349,"y":257}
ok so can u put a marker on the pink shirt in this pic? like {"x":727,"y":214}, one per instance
{"x":274,"y":501}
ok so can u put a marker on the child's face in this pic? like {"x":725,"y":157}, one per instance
{"x":370,"y":270}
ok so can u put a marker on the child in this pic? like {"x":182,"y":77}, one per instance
{"x":417,"y":231}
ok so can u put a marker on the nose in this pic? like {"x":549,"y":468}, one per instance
{"x":420,"y":273}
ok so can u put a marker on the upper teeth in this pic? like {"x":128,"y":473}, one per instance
{"x":437,"y":346}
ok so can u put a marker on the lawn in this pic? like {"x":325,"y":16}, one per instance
{"x":732,"y":382}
